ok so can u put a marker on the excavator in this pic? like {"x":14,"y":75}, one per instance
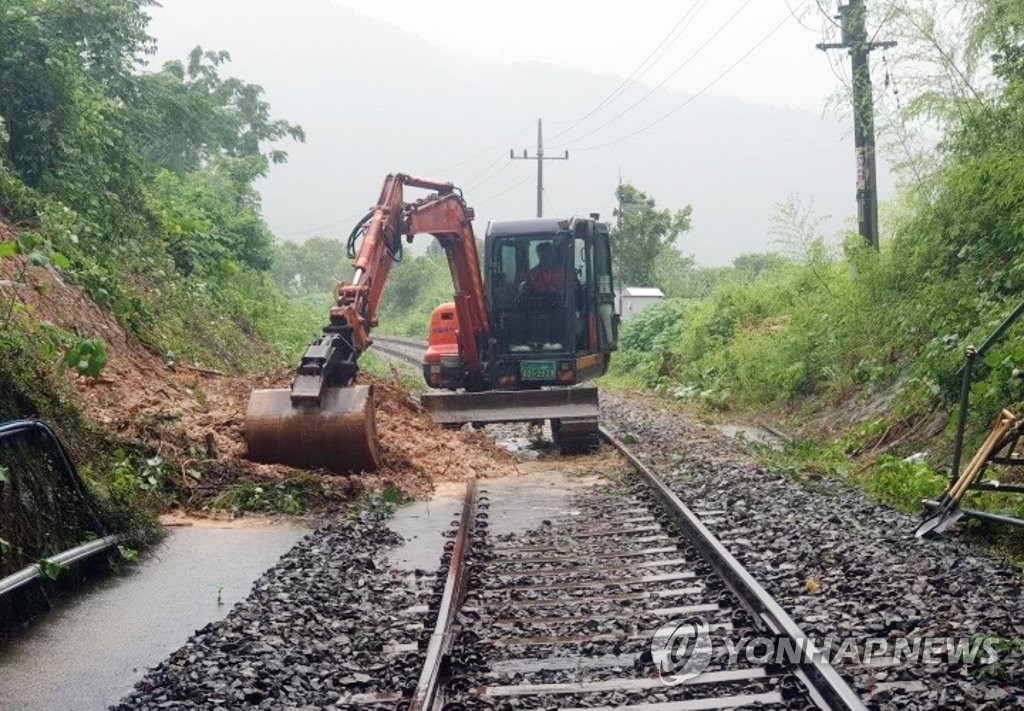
{"x":512,"y":348}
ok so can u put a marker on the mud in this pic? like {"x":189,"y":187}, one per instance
{"x":193,"y":417}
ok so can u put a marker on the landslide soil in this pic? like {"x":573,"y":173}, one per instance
{"x":193,"y":418}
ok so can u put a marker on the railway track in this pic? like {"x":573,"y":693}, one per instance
{"x":404,"y":349}
{"x":583,"y":611}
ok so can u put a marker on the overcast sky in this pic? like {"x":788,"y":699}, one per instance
{"x":381,"y":85}
{"x":612,"y":38}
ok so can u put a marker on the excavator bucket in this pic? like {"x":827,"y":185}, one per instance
{"x":339,"y":434}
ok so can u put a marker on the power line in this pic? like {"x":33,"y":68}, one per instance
{"x":492,"y":176}
{"x":490,"y":165}
{"x":485,"y":151}
{"x":675,"y":71}
{"x":700,"y":93}
{"x":506,"y":190}
{"x":340,"y":223}
{"x":825,"y":14}
{"x":799,"y":21}
{"x":633,"y":75}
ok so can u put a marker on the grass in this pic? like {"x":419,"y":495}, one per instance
{"x":290,"y":497}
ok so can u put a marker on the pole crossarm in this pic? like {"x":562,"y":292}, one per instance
{"x":540,"y":157}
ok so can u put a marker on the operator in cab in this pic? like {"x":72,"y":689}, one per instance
{"x":548,"y":277}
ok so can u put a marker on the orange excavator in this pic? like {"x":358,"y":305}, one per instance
{"x":513,"y":349}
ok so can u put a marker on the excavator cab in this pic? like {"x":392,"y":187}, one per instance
{"x":548,"y":287}
{"x":550,"y":296}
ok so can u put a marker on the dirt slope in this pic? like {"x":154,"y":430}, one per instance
{"x":194,"y":418}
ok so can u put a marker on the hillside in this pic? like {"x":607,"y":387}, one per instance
{"x":137,"y":306}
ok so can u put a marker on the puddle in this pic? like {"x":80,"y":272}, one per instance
{"x":518,"y":503}
{"x":540,"y":494}
{"x":89,"y":651}
{"x":422,"y":524}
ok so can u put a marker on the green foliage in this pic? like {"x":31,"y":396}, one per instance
{"x":139,"y":184}
{"x":415,"y":288}
{"x":50,"y":570}
{"x":289,"y":497}
{"x":87,"y":356}
{"x":211,"y":218}
{"x":139,"y":481}
{"x":314,"y":267}
{"x":189,"y":115}
{"x":128,"y":555}
{"x":903,"y":484}
{"x":645,"y":238}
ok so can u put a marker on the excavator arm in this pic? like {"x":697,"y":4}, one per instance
{"x":332,"y":360}
{"x":325,"y":419}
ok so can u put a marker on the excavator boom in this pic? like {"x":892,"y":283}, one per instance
{"x":325,"y":420}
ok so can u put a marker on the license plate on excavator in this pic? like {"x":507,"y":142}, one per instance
{"x":537,"y":370}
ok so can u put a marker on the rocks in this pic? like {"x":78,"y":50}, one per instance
{"x":311,"y":633}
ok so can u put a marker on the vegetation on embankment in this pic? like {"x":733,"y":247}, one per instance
{"x":131,"y":190}
{"x":859,"y":350}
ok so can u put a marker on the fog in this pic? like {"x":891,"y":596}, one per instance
{"x":374,"y":99}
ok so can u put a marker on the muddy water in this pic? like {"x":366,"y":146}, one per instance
{"x":89,"y":652}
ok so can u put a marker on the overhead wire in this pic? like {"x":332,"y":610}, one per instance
{"x":826,"y":15}
{"x":798,"y":19}
{"x":485,"y":151}
{"x":664,"y":81}
{"x":487,"y":175}
{"x":637,"y":73}
{"x":340,"y":224}
{"x":697,"y":95}
{"x":506,"y":190}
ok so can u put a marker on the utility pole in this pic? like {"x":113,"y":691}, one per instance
{"x":852,"y":20}
{"x":540,"y":158}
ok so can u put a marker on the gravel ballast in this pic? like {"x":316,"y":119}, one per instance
{"x":843,"y":565}
{"x":313,"y":632}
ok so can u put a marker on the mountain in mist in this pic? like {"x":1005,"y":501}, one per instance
{"x":374,"y":99}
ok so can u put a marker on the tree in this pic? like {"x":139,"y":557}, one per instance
{"x":645,"y":237}
{"x":313,"y":267}
{"x":187,"y":114}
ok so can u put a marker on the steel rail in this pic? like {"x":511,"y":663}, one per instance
{"x":826,"y":687}
{"x":388,"y":348}
{"x":451,"y":600}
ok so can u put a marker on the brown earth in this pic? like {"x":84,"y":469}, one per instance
{"x":193,"y":418}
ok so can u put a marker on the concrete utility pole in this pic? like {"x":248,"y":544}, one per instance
{"x":540,"y":158}
{"x":852,"y":20}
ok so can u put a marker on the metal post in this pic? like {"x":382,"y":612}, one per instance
{"x":540,"y":168}
{"x":540,"y":158}
{"x":972,"y":356}
{"x":852,"y":18}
